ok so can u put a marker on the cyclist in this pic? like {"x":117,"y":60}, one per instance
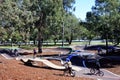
{"x":99,"y":72}
{"x":97,"y":64}
{"x":96,"y":69}
{"x":68,"y":67}
{"x":99,"y":50}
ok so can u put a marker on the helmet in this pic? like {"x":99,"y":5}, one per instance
{"x":67,"y":59}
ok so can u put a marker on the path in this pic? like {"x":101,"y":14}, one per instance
{"x":6,"y":56}
{"x":85,"y":72}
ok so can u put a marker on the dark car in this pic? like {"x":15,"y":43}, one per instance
{"x":4,"y":50}
{"x":111,"y":49}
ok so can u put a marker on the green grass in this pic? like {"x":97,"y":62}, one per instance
{"x":49,"y":45}
{"x":92,"y":43}
{"x":9,"y":47}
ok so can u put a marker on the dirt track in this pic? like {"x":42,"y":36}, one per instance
{"x":15,"y":70}
{"x":11,"y":69}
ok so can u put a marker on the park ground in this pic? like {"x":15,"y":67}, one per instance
{"x":11,"y":69}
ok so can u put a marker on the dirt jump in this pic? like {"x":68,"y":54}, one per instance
{"x":48,"y":63}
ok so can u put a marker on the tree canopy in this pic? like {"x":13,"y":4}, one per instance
{"x":104,"y":19}
{"x":25,"y":20}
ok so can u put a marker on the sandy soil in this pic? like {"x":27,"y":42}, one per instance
{"x":115,"y":69}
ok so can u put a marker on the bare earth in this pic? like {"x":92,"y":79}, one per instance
{"x":115,"y":70}
{"x":11,"y":69}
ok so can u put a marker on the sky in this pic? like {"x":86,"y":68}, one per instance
{"x":83,"y":6}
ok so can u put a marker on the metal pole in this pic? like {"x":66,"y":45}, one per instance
{"x":63,"y":34}
{"x":62,"y":25}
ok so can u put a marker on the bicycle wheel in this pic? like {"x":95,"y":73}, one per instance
{"x":100,"y":73}
{"x":65,"y":72}
{"x":92,"y":71}
{"x":72,"y":73}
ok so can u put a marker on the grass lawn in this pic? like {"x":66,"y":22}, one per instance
{"x":51,"y":44}
{"x":92,"y":43}
{"x":9,"y":47}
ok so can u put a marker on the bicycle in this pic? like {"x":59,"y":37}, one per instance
{"x":96,"y":72}
{"x":69,"y":72}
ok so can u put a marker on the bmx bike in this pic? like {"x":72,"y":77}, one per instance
{"x":69,"y":71}
{"x":96,"y":72}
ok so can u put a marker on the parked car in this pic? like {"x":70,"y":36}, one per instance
{"x":111,"y":49}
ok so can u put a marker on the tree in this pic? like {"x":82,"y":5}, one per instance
{"x":6,"y":17}
{"x":71,"y":28}
{"x":103,"y":15}
{"x":15,"y":16}
{"x":55,"y":10}
{"x":25,"y":15}
{"x":87,"y":32}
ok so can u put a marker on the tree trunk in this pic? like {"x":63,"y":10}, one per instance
{"x":34,"y":42}
{"x":55,"y":41}
{"x":40,"y":25}
{"x":106,"y":43}
{"x":89,"y":41}
{"x":117,"y":42}
{"x":40,"y":46}
{"x":71,"y":37}
{"x":70,"y":41}
{"x":40,"y":40}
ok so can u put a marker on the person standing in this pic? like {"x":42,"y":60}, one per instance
{"x":99,"y":50}
{"x":34,"y":53}
{"x":16,"y":52}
